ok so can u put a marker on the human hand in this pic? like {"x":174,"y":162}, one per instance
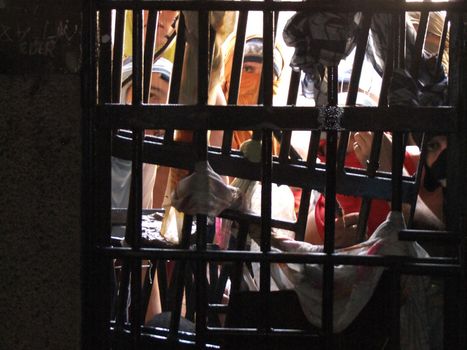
{"x":345,"y":229}
{"x":362,"y":142}
{"x":361,"y":145}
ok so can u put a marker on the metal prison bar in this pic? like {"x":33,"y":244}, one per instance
{"x":109,"y":116}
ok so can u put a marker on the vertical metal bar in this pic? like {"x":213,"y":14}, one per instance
{"x":133,"y":230}
{"x":329,"y":227}
{"x":176,"y":76}
{"x":203,"y":52}
{"x":442,"y":45}
{"x":373,"y":163}
{"x":400,"y":42}
{"x":235,"y":76}
{"x":96,"y":270}
{"x":362,"y":41}
{"x":118,"y":56}
{"x":395,"y":278}
{"x":178,"y":277}
{"x":291,"y":100}
{"x":149,"y":46}
{"x":313,"y":147}
{"x":105,"y":56}
{"x":266,"y":170}
{"x":351,"y":100}
{"x":455,"y":304}
{"x":201,"y":138}
{"x":201,"y":282}
{"x":306,"y":194}
{"x":398,"y":146}
{"x":418,"y":178}
{"x":268,"y":48}
{"x":416,"y":59}
{"x":241,"y":243}
{"x":419,"y":41}
{"x":101,"y":164}
{"x":397,"y":164}
{"x":265,"y":268}
{"x":459,"y":33}
{"x":397,"y":137}
{"x":121,"y":307}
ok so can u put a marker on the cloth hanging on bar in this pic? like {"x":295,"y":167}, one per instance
{"x":320,"y":39}
{"x":426,"y":91}
{"x":203,"y":192}
{"x":354,"y":285}
{"x":431,"y":83}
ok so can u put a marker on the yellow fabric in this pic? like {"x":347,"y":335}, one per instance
{"x":169,"y":53}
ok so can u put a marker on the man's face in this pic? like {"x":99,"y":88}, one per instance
{"x":159,"y":90}
{"x":249,"y":83}
{"x":435,"y":146}
{"x":436,"y":159}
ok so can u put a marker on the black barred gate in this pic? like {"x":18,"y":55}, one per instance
{"x":205,"y":300}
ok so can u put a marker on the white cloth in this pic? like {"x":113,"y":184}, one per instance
{"x":121,"y":183}
{"x":203,"y":192}
{"x":354,"y":285}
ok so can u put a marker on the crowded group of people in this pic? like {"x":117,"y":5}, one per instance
{"x":429,"y":213}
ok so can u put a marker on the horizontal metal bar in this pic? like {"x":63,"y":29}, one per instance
{"x":222,"y":308}
{"x":272,"y":332}
{"x":353,"y":182}
{"x":192,"y":117}
{"x":441,"y":237}
{"x":343,"y":6}
{"x":254,"y":219}
{"x":274,"y":257}
{"x":119,"y":217}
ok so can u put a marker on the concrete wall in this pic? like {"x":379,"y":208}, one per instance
{"x":40,"y":154}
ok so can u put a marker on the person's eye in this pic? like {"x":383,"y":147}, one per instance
{"x":432,"y":146}
{"x":248,"y":69}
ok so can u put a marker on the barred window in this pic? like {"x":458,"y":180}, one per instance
{"x":273,"y":175}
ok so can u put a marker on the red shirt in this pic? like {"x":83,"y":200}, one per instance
{"x":351,"y":204}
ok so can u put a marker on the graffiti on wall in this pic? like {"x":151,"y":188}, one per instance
{"x":41,"y":36}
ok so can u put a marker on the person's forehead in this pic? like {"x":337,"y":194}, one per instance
{"x":157,"y":77}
